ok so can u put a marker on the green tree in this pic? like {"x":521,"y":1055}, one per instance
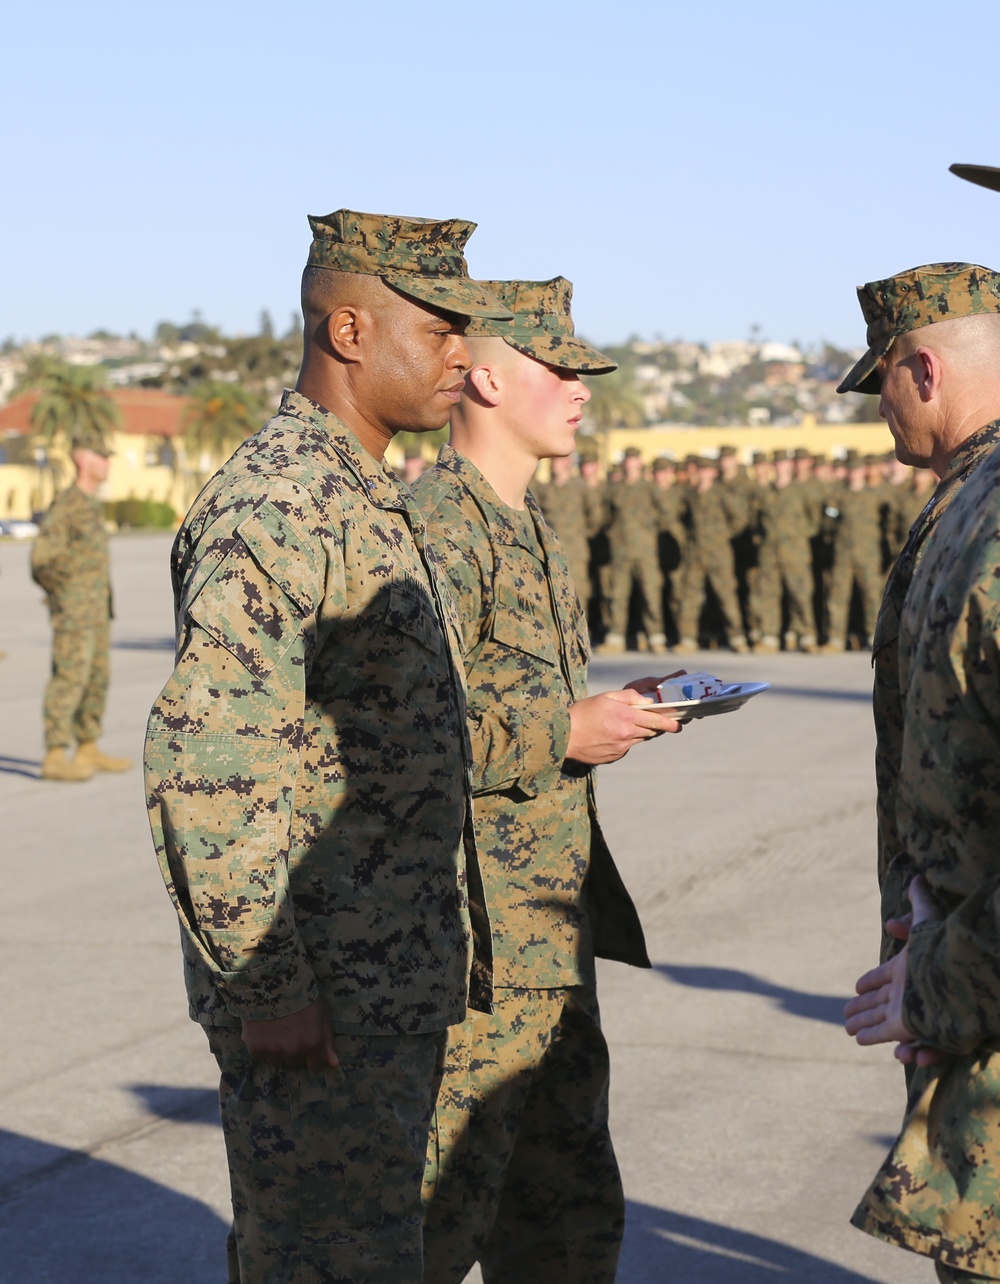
{"x":615,"y":401}
{"x":70,"y":398}
{"x":219,"y":417}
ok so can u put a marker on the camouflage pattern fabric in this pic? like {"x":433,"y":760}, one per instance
{"x":910,"y":300}
{"x":633,"y":528}
{"x":542,"y":325}
{"x":306,"y":763}
{"x":77,"y":691}
{"x":709,"y":558}
{"x":69,"y":559}
{"x":525,"y":649}
{"x":521,"y":1174}
{"x":894,"y":868}
{"x":420,"y":257}
{"x":938,"y":1192}
{"x":570,"y":511}
{"x":325,"y":1167}
{"x":785,"y":524}
{"x":948,"y":1276}
{"x":857,"y":556}
{"x":672,"y":544}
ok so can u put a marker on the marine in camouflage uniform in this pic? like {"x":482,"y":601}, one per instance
{"x":857,"y":555}
{"x":785,"y":524}
{"x":633,"y":535}
{"x":308,"y":777}
{"x":521,"y":1172}
{"x":709,"y":562}
{"x":570,"y":509}
{"x":672,"y":499}
{"x":69,"y":560}
{"x":739,"y":498}
{"x":936,"y":679}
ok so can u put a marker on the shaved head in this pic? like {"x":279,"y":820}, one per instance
{"x":970,"y":345}
{"x":324,"y":290}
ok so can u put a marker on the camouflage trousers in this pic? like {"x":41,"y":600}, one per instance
{"x":644,"y":571}
{"x":325,"y":1167}
{"x":848,"y":567}
{"x":774,"y":577}
{"x":77,"y":690}
{"x":700,"y":571}
{"x":521,"y":1173}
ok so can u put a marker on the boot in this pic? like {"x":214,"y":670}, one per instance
{"x":807,"y":643}
{"x":56,"y":766}
{"x":658,"y":643}
{"x":613,"y":644}
{"x":768,"y":645}
{"x":834,"y":646}
{"x":88,"y":755}
{"x":685,"y":645}
{"x":739,"y":644}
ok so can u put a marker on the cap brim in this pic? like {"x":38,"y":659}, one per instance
{"x":984,"y":175}
{"x":457,"y":294}
{"x":864,"y":375}
{"x":563,"y":350}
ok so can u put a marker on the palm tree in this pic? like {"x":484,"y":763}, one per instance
{"x":70,"y":398}
{"x":615,"y":401}
{"x":220,"y":416}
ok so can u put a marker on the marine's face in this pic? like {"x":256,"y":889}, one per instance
{"x":901,"y":407}
{"x":632,"y":465}
{"x":545,"y":403}
{"x":416,"y":371}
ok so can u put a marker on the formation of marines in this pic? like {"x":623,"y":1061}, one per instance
{"x":789,"y":553}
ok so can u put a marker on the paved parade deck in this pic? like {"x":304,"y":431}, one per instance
{"x":747,"y":1124}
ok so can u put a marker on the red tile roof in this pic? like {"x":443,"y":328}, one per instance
{"x":146,"y":412}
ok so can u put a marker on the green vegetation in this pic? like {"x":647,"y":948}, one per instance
{"x":220,"y":416}
{"x":140,"y":514}
{"x":70,"y":399}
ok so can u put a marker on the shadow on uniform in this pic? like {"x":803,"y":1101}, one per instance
{"x":828,"y":1008}
{"x":67,"y":1216}
{"x":662,"y":1245}
{"x":29,"y":767}
{"x":143,"y":644}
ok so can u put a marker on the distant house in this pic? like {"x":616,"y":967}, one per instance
{"x":149,"y":460}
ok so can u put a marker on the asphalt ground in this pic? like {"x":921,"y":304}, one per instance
{"x":747,"y":1123}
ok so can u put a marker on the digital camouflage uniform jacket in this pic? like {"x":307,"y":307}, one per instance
{"x":939,"y":1190}
{"x":307,"y":762}
{"x":69,"y":557}
{"x":555,"y":896}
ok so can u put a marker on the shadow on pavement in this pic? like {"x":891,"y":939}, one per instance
{"x":190,"y":1105}
{"x":143,"y":644}
{"x":661,"y":1245}
{"x":814,"y":1007}
{"x":819,"y":693}
{"x":72,"y":1217}
{"x":29,"y":767}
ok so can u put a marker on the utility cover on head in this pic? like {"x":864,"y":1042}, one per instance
{"x":542,"y":326}
{"x":912,"y":299}
{"x":420,"y":257}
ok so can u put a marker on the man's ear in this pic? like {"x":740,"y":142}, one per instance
{"x":483,"y":385}
{"x":929,"y":373}
{"x":344,"y":331}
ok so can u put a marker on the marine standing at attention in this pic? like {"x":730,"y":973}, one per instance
{"x":521,"y":1172}
{"x":934,"y":360}
{"x":69,"y":559}
{"x":307,"y":772}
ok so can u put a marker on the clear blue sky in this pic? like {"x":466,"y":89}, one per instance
{"x":694,"y":169}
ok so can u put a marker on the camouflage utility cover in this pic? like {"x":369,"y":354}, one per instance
{"x":554,"y":894}
{"x":69,"y":557}
{"x":910,"y":300}
{"x":938,"y":1192}
{"x":420,"y":257}
{"x":542,"y":326}
{"x":306,"y":763}
{"x":88,"y":437}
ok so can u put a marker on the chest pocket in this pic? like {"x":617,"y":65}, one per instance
{"x":411,"y":611}
{"x":519,"y":625}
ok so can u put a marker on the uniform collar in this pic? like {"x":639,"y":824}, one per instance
{"x":973,"y":449}
{"x":381,"y":485}
{"x":494,"y":510}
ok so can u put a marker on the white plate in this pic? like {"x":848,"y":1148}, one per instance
{"x":733,"y":696}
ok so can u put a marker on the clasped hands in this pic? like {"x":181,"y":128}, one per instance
{"x":875,"y":1015}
